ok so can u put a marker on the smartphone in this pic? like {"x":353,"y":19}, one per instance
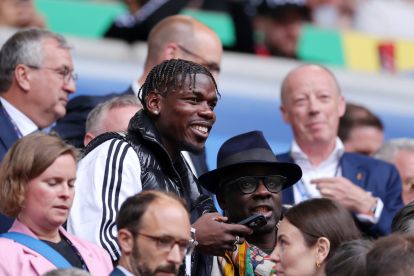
{"x":254,"y":221}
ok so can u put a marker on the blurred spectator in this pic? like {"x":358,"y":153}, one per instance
{"x":333,"y":13}
{"x":309,"y":235}
{"x":360,"y":130}
{"x":150,"y":225}
{"x":392,"y":255}
{"x":112,"y":115}
{"x":20,"y":14}
{"x":349,"y":259}
{"x":403,"y":221}
{"x":400,"y":152}
{"x":36,"y":78}
{"x":279,"y":22}
{"x":142,"y":16}
{"x":37,"y":180}
{"x":396,"y":18}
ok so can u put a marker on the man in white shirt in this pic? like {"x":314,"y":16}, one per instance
{"x":311,"y":102}
{"x":36,"y":78}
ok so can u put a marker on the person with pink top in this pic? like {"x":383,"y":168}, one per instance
{"x":37,"y":179}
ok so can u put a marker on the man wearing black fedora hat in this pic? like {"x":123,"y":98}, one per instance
{"x":248,"y":181}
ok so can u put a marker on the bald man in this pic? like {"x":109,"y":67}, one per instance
{"x":312,"y":103}
{"x":176,"y":36}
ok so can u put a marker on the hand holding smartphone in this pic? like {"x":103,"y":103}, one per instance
{"x":254,"y":221}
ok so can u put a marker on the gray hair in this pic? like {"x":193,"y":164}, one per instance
{"x":94,"y":119}
{"x":389,"y":150}
{"x":24,"y":47}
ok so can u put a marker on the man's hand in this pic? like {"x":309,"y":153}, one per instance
{"x":347,"y":193}
{"x":214,"y":236}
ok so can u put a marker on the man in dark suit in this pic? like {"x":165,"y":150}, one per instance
{"x":174,"y":37}
{"x":311,"y":102}
{"x":154,"y":234}
{"x":34,"y":87}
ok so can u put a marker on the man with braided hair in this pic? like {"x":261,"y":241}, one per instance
{"x":178,"y":99}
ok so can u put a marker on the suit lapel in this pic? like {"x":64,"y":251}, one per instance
{"x":8,"y":135}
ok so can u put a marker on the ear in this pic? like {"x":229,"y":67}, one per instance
{"x":341,"y":106}
{"x":170,"y":51}
{"x":125,"y":241}
{"x":88,"y":137}
{"x":22,"y":76}
{"x":153,"y":103}
{"x":323,"y":246}
{"x":285,"y":114}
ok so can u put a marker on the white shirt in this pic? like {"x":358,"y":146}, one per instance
{"x":330,"y":167}
{"x":22,"y":122}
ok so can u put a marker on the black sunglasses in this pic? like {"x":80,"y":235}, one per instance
{"x":249,"y":184}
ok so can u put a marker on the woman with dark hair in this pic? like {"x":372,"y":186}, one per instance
{"x":309,"y":234}
{"x":37,"y":179}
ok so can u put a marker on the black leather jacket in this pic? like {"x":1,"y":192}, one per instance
{"x":158,"y":172}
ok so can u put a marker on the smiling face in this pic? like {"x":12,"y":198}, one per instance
{"x":186,"y":116}
{"x":48,"y":92}
{"x":292,"y":255}
{"x":312,"y":105}
{"x":49,"y":196}
{"x":239,"y":206}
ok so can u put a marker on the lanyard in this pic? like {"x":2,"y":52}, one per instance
{"x":304,"y":192}
{"x":16,"y":129}
{"x":76,"y":251}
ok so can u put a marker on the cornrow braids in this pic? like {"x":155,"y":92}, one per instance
{"x":170,"y":76}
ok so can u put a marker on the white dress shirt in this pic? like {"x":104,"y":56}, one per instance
{"x":22,"y":122}
{"x":330,"y":167}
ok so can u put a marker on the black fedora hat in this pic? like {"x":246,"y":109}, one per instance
{"x":244,"y":149}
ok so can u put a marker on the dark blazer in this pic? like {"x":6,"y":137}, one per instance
{"x":117,"y":272}
{"x":8,"y":137}
{"x":378,"y":177}
{"x":72,"y":126}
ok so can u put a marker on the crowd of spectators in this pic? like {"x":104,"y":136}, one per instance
{"x":142,"y":207}
{"x":273,"y":27}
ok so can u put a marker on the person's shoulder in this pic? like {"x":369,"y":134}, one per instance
{"x":283,"y":157}
{"x":367,"y":160}
{"x":89,"y":100}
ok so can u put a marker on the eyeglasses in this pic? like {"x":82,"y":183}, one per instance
{"x":65,"y":73}
{"x":249,"y":184}
{"x":166,"y":243}
{"x":211,"y":66}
